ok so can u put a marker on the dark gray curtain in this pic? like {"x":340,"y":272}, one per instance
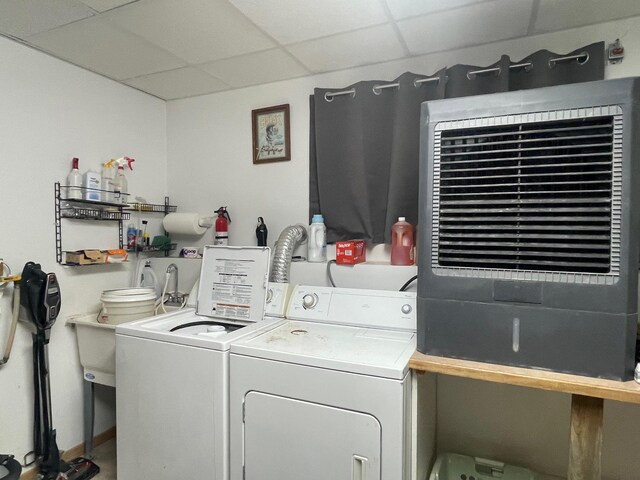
{"x":364,"y":157}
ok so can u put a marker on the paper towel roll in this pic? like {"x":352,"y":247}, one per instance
{"x":183,"y":223}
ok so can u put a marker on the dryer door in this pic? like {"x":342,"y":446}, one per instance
{"x":288,"y":439}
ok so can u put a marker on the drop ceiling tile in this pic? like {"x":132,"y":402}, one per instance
{"x":290,"y":21}
{"x":195,"y":30}
{"x":179,"y":83}
{"x":563,"y":14}
{"x":256,"y":68}
{"x":369,"y":45}
{"x":476,"y":24}
{"x":21,"y":18}
{"x":104,"y":5}
{"x":411,"y":8}
{"x":99,"y":46}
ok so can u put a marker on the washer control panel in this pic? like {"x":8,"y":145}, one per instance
{"x":350,"y":306}
{"x":277,"y":298}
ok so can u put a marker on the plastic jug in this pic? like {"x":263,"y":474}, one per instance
{"x":402,"y":243}
{"x":317,"y":246}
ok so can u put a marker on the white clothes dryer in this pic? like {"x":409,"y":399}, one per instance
{"x":172,"y":382}
{"x":326,"y":394}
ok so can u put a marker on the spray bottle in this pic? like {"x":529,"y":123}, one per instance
{"x":222,"y":227}
{"x":121,"y":186}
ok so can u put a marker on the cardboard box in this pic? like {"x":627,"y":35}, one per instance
{"x":85,"y":257}
{"x":351,"y":252}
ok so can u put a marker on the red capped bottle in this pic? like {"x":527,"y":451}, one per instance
{"x":402,"y":243}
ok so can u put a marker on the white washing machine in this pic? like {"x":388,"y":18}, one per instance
{"x":326,"y":394}
{"x":172,"y":382}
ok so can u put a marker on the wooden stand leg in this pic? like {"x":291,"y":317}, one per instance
{"x":585,"y":449}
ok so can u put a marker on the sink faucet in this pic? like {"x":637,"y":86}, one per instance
{"x":174,"y":297}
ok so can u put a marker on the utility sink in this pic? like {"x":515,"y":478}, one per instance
{"x":97,"y":348}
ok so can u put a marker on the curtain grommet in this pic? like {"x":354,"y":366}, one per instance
{"x":584,"y":55}
{"x":471,"y":74}
{"x":418,"y":82}
{"x":330,"y":96}
{"x":376,"y":90}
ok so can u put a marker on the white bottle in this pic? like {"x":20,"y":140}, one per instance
{"x":121,"y":186}
{"x":108,"y":181}
{"x":92,"y":185}
{"x":148,"y":279}
{"x":317,"y":245}
{"x":74,"y":181}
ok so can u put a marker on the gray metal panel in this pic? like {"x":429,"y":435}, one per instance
{"x":570,"y":341}
{"x":574,"y":315}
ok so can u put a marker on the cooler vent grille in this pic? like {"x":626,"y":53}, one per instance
{"x":533,"y":195}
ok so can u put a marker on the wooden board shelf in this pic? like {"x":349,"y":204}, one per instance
{"x":587,"y":401}
{"x":526,"y":377}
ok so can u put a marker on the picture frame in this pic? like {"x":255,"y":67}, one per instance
{"x":271,"y":137}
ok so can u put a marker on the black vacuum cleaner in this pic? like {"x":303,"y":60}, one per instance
{"x":40,"y":297}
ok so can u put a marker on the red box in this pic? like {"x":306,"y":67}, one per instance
{"x":351,"y":252}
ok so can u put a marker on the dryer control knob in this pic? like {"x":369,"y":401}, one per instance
{"x":310,"y":300}
{"x":406,"y":309}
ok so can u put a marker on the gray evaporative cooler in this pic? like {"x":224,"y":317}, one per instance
{"x":529,"y":219}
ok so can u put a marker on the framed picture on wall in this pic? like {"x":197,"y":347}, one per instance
{"x":271,"y":141}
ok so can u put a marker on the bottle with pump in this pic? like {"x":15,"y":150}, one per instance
{"x":402,"y":243}
{"x":317,"y":244}
{"x":261,"y":233}
{"x":74,"y":181}
{"x":222,"y":227}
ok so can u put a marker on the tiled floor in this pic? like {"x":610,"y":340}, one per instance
{"x":105,"y":457}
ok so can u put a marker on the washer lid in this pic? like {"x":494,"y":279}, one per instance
{"x":368,"y":351}
{"x":233,"y":283}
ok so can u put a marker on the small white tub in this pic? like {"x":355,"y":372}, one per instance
{"x":97,"y":349}
{"x":126,"y":304}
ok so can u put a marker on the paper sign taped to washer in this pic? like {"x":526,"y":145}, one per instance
{"x":233,"y":283}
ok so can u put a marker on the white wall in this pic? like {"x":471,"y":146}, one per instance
{"x":51,"y":112}
{"x":210,"y":164}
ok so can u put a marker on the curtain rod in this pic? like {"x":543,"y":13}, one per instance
{"x":471,"y":74}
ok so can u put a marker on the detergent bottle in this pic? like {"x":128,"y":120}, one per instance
{"x":402,"y":243}
{"x":317,"y":246}
{"x":222,"y":227}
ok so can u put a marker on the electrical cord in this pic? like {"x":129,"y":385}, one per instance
{"x":408,"y":282}
{"x":329,"y":263}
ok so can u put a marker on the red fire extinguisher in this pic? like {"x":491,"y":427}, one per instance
{"x":222,"y":227}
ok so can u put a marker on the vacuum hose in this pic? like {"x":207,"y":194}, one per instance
{"x":289,"y":239}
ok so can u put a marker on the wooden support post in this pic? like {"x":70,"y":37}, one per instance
{"x":585,"y":448}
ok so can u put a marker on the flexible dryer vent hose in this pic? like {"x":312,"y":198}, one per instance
{"x":289,"y":239}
